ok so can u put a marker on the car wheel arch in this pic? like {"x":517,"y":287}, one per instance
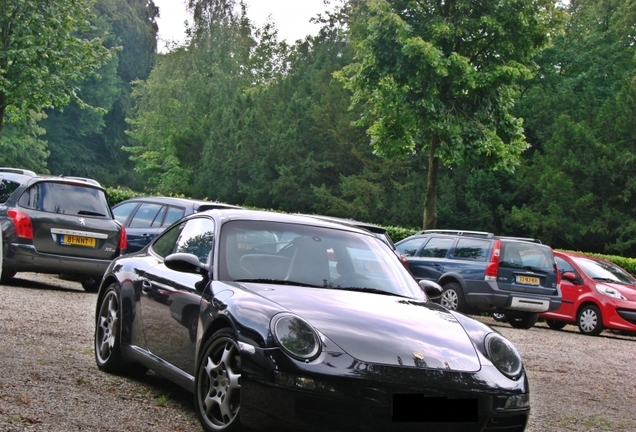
{"x":452,"y":278}
{"x":586,"y":303}
{"x":218,"y":323}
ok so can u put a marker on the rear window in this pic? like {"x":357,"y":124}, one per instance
{"x":530,"y":256}
{"x":65,"y":198}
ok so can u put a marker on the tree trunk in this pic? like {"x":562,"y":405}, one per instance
{"x":2,"y":107}
{"x":430,"y":204}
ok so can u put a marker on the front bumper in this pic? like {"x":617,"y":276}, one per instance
{"x":343,"y":394}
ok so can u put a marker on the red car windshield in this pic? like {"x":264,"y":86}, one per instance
{"x":604,"y":271}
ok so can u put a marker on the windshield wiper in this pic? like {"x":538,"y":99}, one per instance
{"x":89,"y":213}
{"x":279,"y":282}
{"x":610,"y":280}
{"x":369,"y":290}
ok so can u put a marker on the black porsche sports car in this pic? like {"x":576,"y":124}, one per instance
{"x":280,"y":321}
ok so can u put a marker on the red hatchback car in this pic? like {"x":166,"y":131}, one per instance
{"x":597,"y":294}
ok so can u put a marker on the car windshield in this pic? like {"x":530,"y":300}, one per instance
{"x":604,"y":271}
{"x":310,"y":256}
{"x":66,"y":198}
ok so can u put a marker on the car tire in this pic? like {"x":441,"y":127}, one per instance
{"x":556,"y":325}
{"x":499,"y":317}
{"x":217,"y":383}
{"x":6,"y":276}
{"x":452,"y":297}
{"x":590,"y":321}
{"x":91,"y":285}
{"x":524,"y":321}
{"x":108,"y":336}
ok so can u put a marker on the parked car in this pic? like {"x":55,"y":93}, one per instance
{"x":59,"y":225}
{"x":481,"y":272}
{"x":597,"y":295}
{"x":243,"y":309}
{"x":145,"y":217}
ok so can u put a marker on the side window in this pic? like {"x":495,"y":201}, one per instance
{"x":165,"y":244}
{"x":436,"y":248}
{"x":564,"y":266}
{"x":6,"y":189}
{"x":121,"y":212}
{"x":197,"y":237}
{"x":174,"y":214}
{"x":145,"y":215}
{"x":158,"y":222}
{"x":410,"y":247}
{"x":472,"y":249}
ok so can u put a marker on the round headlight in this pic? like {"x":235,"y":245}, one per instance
{"x":296,"y":337}
{"x":503,"y":355}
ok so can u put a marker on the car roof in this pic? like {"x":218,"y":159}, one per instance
{"x":23,"y":176}
{"x":181,"y":201}
{"x":231,"y":214}
{"x":577,"y":255}
{"x":349,"y":222}
{"x":479,"y":234}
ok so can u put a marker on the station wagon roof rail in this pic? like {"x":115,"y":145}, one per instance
{"x":533,"y":240}
{"x":458,"y":232}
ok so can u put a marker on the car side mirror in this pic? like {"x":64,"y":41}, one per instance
{"x":569,"y":276}
{"x":186,"y":263}
{"x":431,"y":289}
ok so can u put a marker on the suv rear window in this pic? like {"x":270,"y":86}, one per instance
{"x":526,"y":255}
{"x":65,"y":198}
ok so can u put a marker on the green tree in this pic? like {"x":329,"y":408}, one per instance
{"x":440,"y":78}
{"x":44,"y":56}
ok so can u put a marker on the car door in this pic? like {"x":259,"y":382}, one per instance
{"x":430,"y":259}
{"x":170,"y":300}
{"x":570,"y":290}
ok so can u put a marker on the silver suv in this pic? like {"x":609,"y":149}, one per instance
{"x":58,"y":225}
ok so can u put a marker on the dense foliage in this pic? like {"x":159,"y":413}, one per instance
{"x":236,"y":115}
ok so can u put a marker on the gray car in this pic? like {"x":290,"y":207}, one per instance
{"x":58,"y":225}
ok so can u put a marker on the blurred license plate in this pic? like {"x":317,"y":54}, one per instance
{"x":528,"y":280}
{"x":78,"y":241}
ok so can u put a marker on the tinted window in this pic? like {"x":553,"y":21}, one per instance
{"x":197,"y":238}
{"x":159,"y":219}
{"x":122,"y":211}
{"x":65,"y":198}
{"x":6,"y":189}
{"x":145,"y":215}
{"x":472,"y":249}
{"x":165,"y":244}
{"x":436,"y":248}
{"x":411,"y":246}
{"x":531,"y":256}
{"x":174,"y":214}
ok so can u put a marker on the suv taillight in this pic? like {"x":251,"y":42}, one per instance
{"x":22,"y":223}
{"x":493,"y":266}
{"x":123,"y":239}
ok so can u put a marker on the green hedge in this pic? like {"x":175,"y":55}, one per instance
{"x":116,"y":195}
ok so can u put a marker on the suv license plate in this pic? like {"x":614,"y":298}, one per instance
{"x":528,"y":280}
{"x":78,"y":241}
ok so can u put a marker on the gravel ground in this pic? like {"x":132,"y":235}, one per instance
{"x":49,"y":380}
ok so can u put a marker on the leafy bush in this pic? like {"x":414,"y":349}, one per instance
{"x":399,"y":233}
{"x":117,"y":195}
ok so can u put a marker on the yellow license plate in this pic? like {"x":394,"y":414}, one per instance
{"x":78,"y":241}
{"x":528,"y":280}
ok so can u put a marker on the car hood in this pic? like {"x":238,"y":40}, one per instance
{"x":629,"y":291}
{"x":381,"y":329}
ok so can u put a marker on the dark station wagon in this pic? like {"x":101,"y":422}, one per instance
{"x":57,"y":225}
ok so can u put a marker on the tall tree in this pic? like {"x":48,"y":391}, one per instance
{"x":440,"y":78}
{"x":44,"y":55}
